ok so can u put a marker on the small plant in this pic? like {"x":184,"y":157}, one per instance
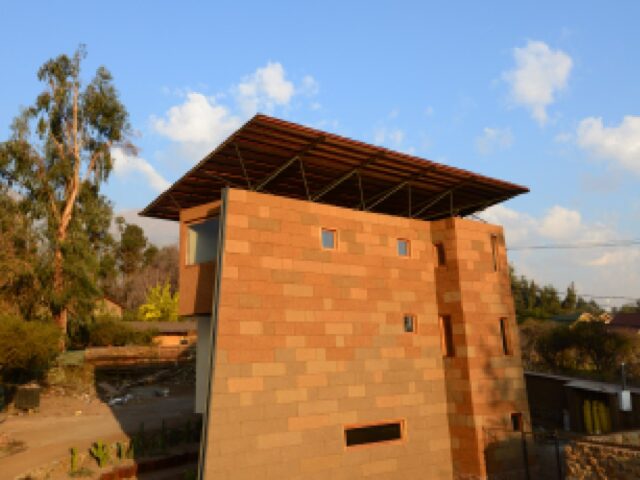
{"x":190,"y":475}
{"x":121,"y":450}
{"x":131,"y":452}
{"x":73,"y":468}
{"x":100,"y":451}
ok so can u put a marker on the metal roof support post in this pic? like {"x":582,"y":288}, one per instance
{"x":451,"y":203}
{"x":287,"y":164}
{"x":343,"y":178}
{"x":244,"y":168}
{"x":387,"y":194}
{"x":436,"y":199}
{"x":361,"y":190}
{"x":304,"y":179}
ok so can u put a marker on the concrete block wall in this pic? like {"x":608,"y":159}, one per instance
{"x":484,"y":386}
{"x":311,"y":340}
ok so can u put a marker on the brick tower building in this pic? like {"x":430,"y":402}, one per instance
{"x":351,"y":322}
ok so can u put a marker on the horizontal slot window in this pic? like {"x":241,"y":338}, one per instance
{"x":378,"y":433}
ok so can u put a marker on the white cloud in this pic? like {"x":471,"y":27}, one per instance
{"x":558,"y":224}
{"x":310,"y":86}
{"x":493,"y":139}
{"x":125,"y":165}
{"x":198,"y":125}
{"x":619,"y":144}
{"x":619,"y":257}
{"x":202,"y":122}
{"x":266,"y":88}
{"x":540,"y":73}
{"x":393,"y":137}
{"x":598,"y":271}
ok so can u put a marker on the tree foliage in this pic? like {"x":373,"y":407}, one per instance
{"x":26,"y":348}
{"x":161,"y":304}
{"x":57,"y":157}
{"x":534,"y":301}
{"x":583,"y":346}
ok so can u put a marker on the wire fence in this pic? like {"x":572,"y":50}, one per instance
{"x":525,"y":455}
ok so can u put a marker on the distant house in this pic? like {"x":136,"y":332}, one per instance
{"x":627,"y":322}
{"x":558,"y":402}
{"x":169,"y":334}
{"x":108,"y":306}
{"x":573,"y":318}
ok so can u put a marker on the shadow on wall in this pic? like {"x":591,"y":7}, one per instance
{"x":524,"y":455}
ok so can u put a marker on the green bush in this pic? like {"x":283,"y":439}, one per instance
{"x":111,"y":331}
{"x":27,"y":348}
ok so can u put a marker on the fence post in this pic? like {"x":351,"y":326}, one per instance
{"x":525,"y":455}
{"x":558,"y":459}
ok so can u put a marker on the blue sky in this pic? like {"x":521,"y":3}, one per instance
{"x":540,"y":93}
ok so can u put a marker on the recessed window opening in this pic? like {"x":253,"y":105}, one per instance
{"x":446,"y":336}
{"x":410,"y":325}
{"x":367,"y":434}
{"x":328,"y":238}
{"x":441,"y":259}
{"x":516,"y":421}
{"x":494,"y":252}
{"x":202,"y":241}
{"x":504,"y":336}
{"x":404,"y":247}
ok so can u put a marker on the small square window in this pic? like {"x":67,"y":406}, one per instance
{"x":404,"y":247}
{"x":410,"y":325}
{"x":328,"y":239}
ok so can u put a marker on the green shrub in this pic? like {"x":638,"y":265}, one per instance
{"x":105,"y":331}
{"x":27,"y":349}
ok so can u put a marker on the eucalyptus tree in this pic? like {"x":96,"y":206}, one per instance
{"x":56,"y":159}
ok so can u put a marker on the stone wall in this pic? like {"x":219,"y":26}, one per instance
{"x":587,"y":460}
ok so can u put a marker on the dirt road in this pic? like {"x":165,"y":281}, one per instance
{"x":64,"y":422}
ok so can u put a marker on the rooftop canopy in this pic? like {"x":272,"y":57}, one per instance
{"x":282,"y":158}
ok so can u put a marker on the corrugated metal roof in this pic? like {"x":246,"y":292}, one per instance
{"x":283,"y":158}
{"x":626,"y":320}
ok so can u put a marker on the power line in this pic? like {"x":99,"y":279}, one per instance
{"x":575,"y":246}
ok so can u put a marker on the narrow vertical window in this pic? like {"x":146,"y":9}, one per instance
{"x":504,"y":336}
{"x":516,"y":421}
{"x":410,"y":325}
{"x":446,"y":336}
{"x":441,"y":259}
{"x":328,"y":238}
{"x":494,"y":252}
{"x":404,"y":247}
